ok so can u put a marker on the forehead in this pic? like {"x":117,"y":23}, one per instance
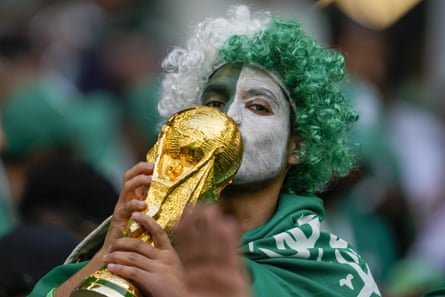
{"x":256,"y":78}
{"x":229,"y":74}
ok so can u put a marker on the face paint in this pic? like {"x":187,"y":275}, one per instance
{"x":257,"y":103}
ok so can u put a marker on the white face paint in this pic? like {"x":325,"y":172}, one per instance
{"x":256,"y":102}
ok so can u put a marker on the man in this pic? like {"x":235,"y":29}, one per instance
{"x":280,"y":87}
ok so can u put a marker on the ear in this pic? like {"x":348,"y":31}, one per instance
{"x":292,"y":158}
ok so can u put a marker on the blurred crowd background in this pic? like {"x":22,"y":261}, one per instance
{"x":79,"y":84}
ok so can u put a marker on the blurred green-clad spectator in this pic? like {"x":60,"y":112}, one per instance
{"x":42,"y":112}
{"x":401,"y":149}
{"x":34,"y":118}
{"x":39,"y":116}
{"x":357,"y":206}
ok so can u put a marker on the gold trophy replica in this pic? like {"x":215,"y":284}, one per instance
{"x":197,"y":153}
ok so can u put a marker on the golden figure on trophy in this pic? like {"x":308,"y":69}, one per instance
{"x":197,"y":153}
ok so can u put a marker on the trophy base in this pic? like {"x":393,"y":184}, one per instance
{"x":105,"y":284}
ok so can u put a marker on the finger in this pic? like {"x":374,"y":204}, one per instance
{"x":205,"y":233}
{"x":158,"y":235}
{"x":213,"y":232}
{"x":186,"y":221}
{"x":131,"y":245}
{"x":131,"y":259}
{"x":216,"y":226}
{"x":135,"y":274}
{"x":134,"y":184}
{"x":187,"y":235}
{"x":144,"y":280}
{"x":140,"y":168}
{"x":125,"y":211}
{"x":126,"y":258}
{"x":197,"y":221}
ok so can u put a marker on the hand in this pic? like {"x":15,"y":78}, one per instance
{"x":155,"y":269}
{"x":207,"y":243}
{"x":135,"y":181}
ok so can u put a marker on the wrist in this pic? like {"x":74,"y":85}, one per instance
{"x":97,"y":259}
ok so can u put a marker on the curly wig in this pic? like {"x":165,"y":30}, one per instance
{"x":310,"y":73}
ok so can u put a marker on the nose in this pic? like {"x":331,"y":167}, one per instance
{"x":233,"y":111}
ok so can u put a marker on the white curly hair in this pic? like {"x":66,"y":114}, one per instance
{"x":188,"y":68}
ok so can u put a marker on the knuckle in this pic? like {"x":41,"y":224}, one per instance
{"x":133,"y":273}
{"x":126,"y":187}
{"x":158,"y":231}
{"x":140,"y":245}
{"x":127,"y":175}
{"x":131,"y":258}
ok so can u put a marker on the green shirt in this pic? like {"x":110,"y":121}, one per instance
{"x":287,"y":256}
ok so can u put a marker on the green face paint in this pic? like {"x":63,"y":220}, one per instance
{"x":221,"y":87}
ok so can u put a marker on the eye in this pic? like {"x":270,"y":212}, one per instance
{"x":259,"y":106}
{"x":216,"y":103}
{"x":212,"y":98}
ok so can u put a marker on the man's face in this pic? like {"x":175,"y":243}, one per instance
{"x":259,"y":106}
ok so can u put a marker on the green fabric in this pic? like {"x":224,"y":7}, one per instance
{"x":50,"y":293}
{"x":54,"y":278}
{"x":291,"y":256}
{"x":287,"y":256}
{"x":440,"y":292}
{"x":352,"y":218}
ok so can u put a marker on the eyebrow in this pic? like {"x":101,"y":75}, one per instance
{"x":258,"y":91}
{"x":215,"y":87}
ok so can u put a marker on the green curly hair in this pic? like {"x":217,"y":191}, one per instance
{"x":311,"y":74}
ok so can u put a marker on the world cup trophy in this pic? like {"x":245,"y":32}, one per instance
{"x":197,"y":153}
